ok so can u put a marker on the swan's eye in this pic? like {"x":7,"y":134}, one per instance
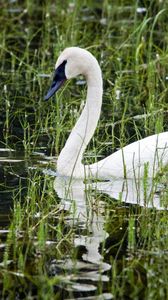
{"x":58,"y":79}
{"x":60,"y":72}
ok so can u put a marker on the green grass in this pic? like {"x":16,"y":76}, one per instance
{"x":132,"y":49}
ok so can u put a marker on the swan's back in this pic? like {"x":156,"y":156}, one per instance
{"x":148,"y":156}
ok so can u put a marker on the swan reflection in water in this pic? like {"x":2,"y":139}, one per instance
{"x":78,"y":198}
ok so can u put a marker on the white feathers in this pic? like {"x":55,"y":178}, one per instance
{"x":146,"y":155}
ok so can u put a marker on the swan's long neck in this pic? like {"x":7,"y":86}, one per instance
{"x":69,"y":161}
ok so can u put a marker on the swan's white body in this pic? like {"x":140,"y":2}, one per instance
{"x":147,"y":154}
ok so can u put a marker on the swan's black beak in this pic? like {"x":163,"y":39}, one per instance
{"x":58,"y":80}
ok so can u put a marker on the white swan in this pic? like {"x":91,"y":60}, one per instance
{"x":148,"y":154}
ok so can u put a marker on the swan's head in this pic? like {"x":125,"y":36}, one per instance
{"x":72,"y":62}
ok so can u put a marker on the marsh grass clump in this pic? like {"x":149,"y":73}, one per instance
{"x":37,"y":228}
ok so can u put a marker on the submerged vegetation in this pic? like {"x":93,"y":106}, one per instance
{"x":59,"y":240}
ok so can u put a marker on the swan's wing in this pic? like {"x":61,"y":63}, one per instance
{"x":146,"y":156}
